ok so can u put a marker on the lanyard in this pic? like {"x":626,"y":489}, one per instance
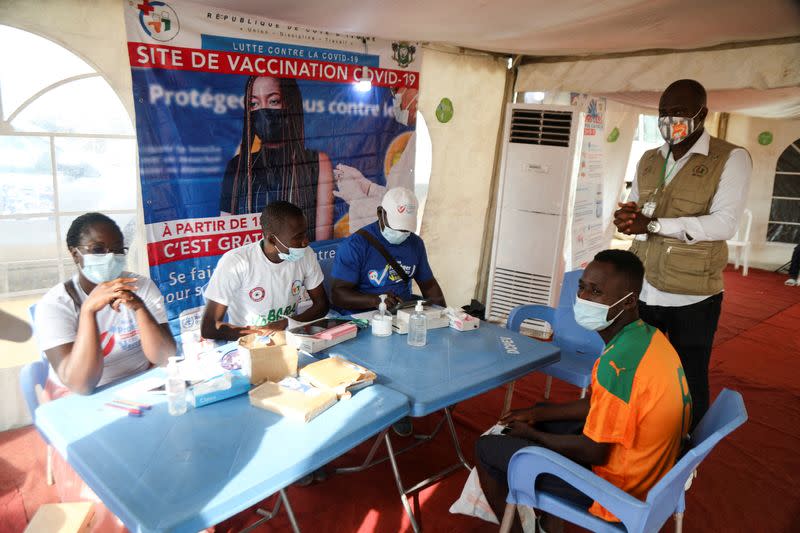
{"x":664,"y":173}
{"x":664,"y":176}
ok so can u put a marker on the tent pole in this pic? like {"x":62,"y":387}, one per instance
{"x":722,"y":126}
{"x":509,"y":96}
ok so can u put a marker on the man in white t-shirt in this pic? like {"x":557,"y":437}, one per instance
{"x":264,"y":281}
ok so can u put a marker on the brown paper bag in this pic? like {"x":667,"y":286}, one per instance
{"x":270,"y":359}
{"x":299,"y":401}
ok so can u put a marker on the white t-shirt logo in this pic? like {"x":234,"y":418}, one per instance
{"x":296,"y":286}
{"x":257,"y":294}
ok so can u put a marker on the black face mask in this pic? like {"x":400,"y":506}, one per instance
{"x":269,"y":124}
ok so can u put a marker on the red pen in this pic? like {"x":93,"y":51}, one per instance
{"x":131,"y":411}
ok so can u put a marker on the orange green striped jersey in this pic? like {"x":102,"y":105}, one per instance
{"x":640,"y":404}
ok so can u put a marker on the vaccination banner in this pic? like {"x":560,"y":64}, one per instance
{"x":234,"y":111}
{"x":588,"y":232}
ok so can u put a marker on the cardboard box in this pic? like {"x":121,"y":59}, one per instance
{"x":338,"y":375}
{"x":62,"y":518}
{"x":292,"y":398}
{"x":435,"y":318}
{"x":267,"y":358}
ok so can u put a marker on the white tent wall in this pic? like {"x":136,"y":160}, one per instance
{"x":615,"y":158}
{"x":463,"y":158}
{"x":757,"y":67}
{"x":744,"y":131}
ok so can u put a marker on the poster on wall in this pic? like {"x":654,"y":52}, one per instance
{"x":234,"y":111}
{"x":588,"y":231}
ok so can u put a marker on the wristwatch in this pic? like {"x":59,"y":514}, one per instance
{"x":654,"y":226}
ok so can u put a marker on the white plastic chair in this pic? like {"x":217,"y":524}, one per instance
{"x":741,"y":243}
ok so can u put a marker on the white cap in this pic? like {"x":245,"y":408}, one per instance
{"x":401,"y":208}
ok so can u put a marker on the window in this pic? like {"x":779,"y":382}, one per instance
{"x":67,"y":146}
{"x":423,"y":156}
{"x":646,"y":138}
{"x":784,"y":216}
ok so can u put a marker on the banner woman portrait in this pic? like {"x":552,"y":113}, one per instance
{"x":273,"y":162}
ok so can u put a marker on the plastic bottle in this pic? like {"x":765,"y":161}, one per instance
{"x":176,"y":389}
{"x":418,"y":326}
{"x":382,"y":320}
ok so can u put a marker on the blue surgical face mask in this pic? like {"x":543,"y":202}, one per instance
{"x":592,"y":315}
{"x":99,"y":268}
{"x":394,"y":236}
{"x":294,"y":254}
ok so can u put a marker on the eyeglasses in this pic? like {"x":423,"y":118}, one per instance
{"x":97,"y":249}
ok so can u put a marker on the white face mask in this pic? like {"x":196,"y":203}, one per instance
{"x":676,"y":129}
{"x":99,"y":268}
{"x":394,"y":236}
{"x":294,"y":254}
{"x":592,"y":315}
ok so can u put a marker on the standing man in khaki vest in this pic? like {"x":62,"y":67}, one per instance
{"x":686,"y":201}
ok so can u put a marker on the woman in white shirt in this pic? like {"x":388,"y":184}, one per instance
{"x":103,"y":324}
{"x":98,"y":327}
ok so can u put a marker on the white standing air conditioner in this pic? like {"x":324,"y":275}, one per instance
{"x":540,"y":162}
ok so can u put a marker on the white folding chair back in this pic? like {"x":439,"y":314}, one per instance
{"x":740,"y":243}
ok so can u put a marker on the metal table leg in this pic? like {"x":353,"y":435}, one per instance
{"x":399,"y":482}
{"x":509,"y":396}
{"x":269,"y":515}
{"x":368,"y":462}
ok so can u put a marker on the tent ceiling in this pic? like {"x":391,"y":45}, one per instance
{"x":770,"y":103}
{"x":542,"y":28}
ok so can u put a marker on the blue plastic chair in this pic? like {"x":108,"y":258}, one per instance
{"x":580,"y":347}
{"x":326,"y":264}
{"x":33,"y":374}
{"x":664,"y":499}
{"x":42,"y":356}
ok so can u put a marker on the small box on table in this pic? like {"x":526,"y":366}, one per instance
{"x":267,"y":357}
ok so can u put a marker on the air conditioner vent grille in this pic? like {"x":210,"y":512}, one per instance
{"x":511,"y":288}
{"x":542,"y":127}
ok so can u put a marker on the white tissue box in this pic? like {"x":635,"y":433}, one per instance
{"x":466,"y":323}
{"x":436,"y":318}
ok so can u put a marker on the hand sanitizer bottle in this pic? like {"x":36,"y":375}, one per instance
{"x":382,"y":321}
{"x":418,"y":326}
{"x":176,"y":389}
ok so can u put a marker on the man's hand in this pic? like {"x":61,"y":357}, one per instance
{"x":629,"y":219}
{"x":521,"y":430}
{"x":109,"y":292}
{"x":272,"y":327}
{"x":392,"y":300}
{"x":527,"y":415}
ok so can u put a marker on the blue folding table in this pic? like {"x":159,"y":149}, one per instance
{"x":185,"y":473}
{"x":452,"y":367}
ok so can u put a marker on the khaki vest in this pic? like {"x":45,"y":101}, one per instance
{"x":672,"y":265}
